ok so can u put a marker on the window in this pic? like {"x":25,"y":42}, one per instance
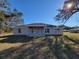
{"x":19,"y":30}
{"x":46,"y":30}
{"x":32,"y":31}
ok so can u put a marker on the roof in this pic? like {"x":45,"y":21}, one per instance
{"x":40,"y":24}
{"x":37,"y":24}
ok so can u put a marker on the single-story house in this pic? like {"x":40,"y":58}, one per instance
{"x":37,"y":29}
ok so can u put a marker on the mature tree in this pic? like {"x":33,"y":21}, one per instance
{"x":4,"y":7}
{"x":70,"y":7}
{"x":8,"y":18}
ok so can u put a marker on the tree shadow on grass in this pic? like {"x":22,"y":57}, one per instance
{"x":68,"y":38}
{"x":71,"y":53}
{"x":13,"y":52}
{"x":24,"y":52}
{"x":15,"y":39}
{"x":62,"y":52}
{"x":35,"y":52}
{"x":56,"y":49}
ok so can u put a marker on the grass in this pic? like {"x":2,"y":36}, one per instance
{"x":12,"y":41}
{"x":5,"y":34}
{"x":23,"y":47}
{"x":4,"y":46}
{"x":72,"y":35}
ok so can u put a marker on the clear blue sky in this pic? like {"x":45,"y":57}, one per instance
{"x":42,"y":11}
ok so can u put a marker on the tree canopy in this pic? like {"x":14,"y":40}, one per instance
{"x":70,"y":7}
{"x":7,"y":16}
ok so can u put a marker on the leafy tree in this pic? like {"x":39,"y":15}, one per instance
{"x":8,"y":18}
{"x":4,"y":7}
